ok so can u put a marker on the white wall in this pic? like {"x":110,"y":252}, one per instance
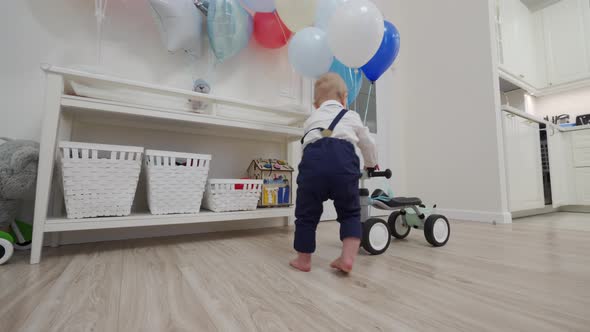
{"x":450,"y":91}
{"x":574,"y":103}
{"x":63,"y":32}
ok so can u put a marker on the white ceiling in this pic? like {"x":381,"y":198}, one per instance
{"x":538,"y":4}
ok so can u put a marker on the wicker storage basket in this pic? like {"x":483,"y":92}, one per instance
{"x":175,"y":181}
{"x":232,"y":195}
{"x":99,"y":180}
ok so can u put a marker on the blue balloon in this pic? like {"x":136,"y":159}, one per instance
{"x":260,"y":6}
{"x":309,"y":52}
{"x":353,"y":78}
{"x":230,"y":28}
{"x":386,"y":54}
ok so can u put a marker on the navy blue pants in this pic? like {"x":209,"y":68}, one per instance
{"x":329,"y":169}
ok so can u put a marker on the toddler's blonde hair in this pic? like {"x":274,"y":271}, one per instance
{"x":329,"y":86}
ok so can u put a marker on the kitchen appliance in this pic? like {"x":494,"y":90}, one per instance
{"x":583,"y":120}
{"x":545,"y":164}
{"x":563,"y":118}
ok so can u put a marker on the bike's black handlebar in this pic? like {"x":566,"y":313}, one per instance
{"x":374,"y":174}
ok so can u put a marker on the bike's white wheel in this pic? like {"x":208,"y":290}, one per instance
{"x":399,"y":229}
{"x":376,"y":236}
{"x":6,"y":250}
{"x":437,"y":230}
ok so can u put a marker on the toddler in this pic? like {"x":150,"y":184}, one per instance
{"x":330,"y":169}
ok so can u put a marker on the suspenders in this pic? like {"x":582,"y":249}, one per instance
{"x":327,"y":132}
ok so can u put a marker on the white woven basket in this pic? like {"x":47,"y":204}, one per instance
{"x":222,"y":195}
{"x":174,"y":188}
{"x":99,"y":180}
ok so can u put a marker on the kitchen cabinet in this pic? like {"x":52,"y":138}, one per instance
{"x":546,"y":50}
{"x":516,"y":29}
{"x":561,"y":166}
{"x":565,"y":26}
{"x":583,"y":185}
{"x":522,"y":147}
{"x":581,"y":145}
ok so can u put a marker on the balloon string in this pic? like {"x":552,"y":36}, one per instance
{"x":100,"y":7}
{"x":292,"y":71}
{"x":368,"y":100}
{"x":281,"y":25}
{"x":351,"y":77}
{"x":356,"y":100}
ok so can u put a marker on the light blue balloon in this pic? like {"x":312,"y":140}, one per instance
{"x":309,"y":52}
{"x":353,"y":78}
{"x":325,"y":11}
{"x":229,"y":26}
{"x":260,"y":6}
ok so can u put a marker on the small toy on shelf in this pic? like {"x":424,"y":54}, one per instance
{"x":277,"y":178}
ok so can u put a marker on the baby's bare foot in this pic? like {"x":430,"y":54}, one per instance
{"x":301,"y":266}
{"x":302,"y":262}
{"x":342,"y":264}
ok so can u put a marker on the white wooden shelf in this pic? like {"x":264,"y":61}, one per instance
{"x":86,"y":107}
{"x":111,"y":101}
{"x":146,"y":219}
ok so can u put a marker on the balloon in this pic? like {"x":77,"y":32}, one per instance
{"x":270,"y":31}
{"x":309,"y":52}
{"x":386,"y":54}
{"x":260,"y":6}
{"x":297,"y":14}
{"x":355,"y":32}
{"x":229,"y":26}
{"x":179,"y":23}
{"x":326,"y":9}
{"x":352,"y":77}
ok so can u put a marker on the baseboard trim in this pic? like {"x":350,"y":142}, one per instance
{"x":575,"y":208}
{"x":478,"y":216}
{"x":533,"y":212}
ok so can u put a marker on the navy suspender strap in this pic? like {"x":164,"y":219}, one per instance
{"x":336,"y":120}
{"x":327,"y":132}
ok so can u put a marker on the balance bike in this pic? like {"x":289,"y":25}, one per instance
{"x":408,"y":213}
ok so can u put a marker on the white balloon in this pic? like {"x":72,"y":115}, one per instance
{"x":355,"y":32}
{"x":297,"y":14}
{"x":180,"y":24}
{"x":326,"y":9}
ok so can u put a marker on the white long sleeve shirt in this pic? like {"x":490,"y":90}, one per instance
{"x":350,"y":128}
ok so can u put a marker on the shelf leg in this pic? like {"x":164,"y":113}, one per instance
{"x":53,"y":93}
{"x":55,"y":239}
{"x":293,"y":159}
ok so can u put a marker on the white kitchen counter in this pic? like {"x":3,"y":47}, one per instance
{"x":537,"y":119}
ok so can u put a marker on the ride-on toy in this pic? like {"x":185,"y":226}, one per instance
{"x":18,"y":238}
{"x":408,"y":213}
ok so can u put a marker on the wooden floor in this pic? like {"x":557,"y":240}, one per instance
{"x":533,"y":275}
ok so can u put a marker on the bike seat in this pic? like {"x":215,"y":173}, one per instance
{"x":403,"y":201}
{"x":396,"y":202}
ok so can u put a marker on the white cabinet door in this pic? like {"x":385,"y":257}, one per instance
{"x":565,"y":41}
{"x":517,"y":41}
{"x":561,"y":168}
{"x":522,"y":146}
{"x":581,"y":145}
{"x":583,"y":185}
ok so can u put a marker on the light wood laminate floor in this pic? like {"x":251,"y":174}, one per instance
{"x":533,"y":275}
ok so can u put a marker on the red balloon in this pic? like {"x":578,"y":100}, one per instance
{"x":270,"y":31}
